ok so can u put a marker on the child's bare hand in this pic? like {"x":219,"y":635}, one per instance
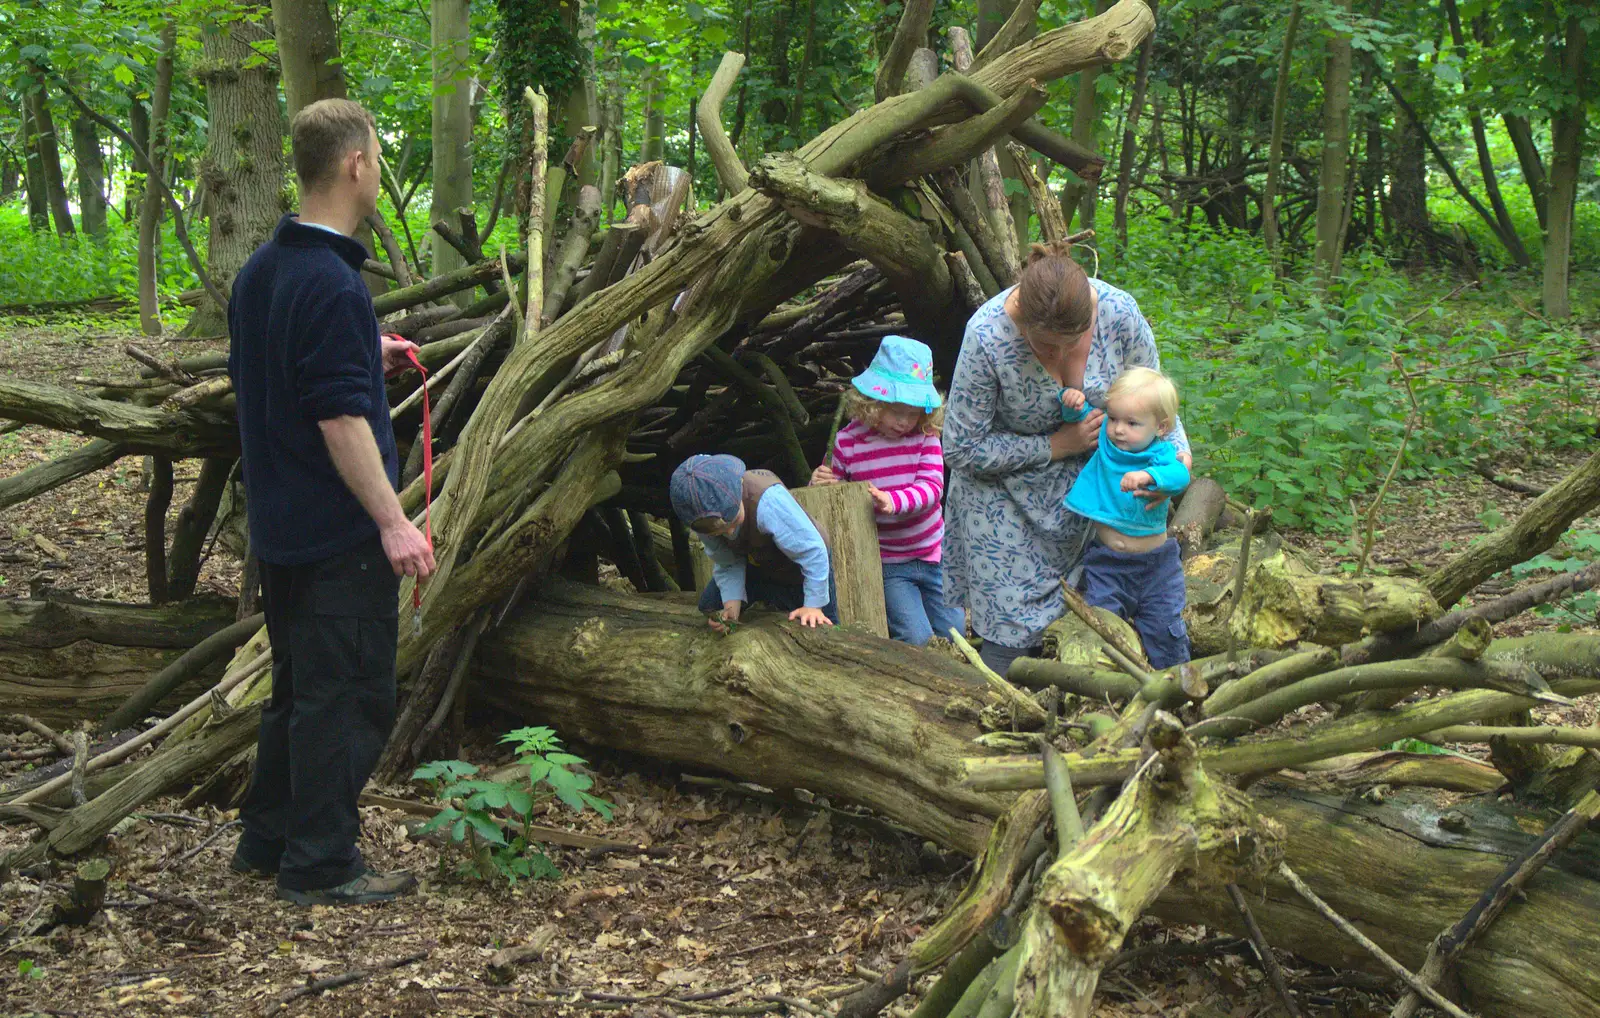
{"x":881,"y":500}
{"x":1072,"y":399}
{"x":824,"y":475}
{"x":810,"y":617}
{"x":724,"y":621}
{"x":1133,"y":480}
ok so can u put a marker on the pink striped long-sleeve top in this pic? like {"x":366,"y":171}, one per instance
{"x":911,"y":471}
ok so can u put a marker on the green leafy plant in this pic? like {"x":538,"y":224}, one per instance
{"x":28,"y":970}
{"x":1578,"y":549}
{"x":474,"y":807}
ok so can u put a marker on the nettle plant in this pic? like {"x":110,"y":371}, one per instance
{"x":1577,"y":549}
{"x":474,"y":807}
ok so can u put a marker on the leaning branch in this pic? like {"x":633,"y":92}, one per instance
{"x":138,"y":430}
{"x":1538,"y":528}
{"x":911,"y":33}
{"x":708,"y":117}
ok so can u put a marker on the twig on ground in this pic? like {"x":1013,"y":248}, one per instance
{"x":1433,"y":996}
{"x":1269,"y":961}
{"x":345,"y":979}
{"x":196,"y":850}
{"x":1469,"y":284}
{"x":785,"y":942}
{"x":170,"y":899}
{"x":1511,"y":484}
{"x":39,"y":728}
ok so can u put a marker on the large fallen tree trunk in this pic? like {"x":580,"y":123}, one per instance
{"x":836,"y":712}
{"x":69,"y":661}
{"x":843,"y":716}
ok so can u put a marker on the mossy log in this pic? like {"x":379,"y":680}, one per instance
{"x":836,"y":712}
{"x":863,"y":720}
{"x":70,"y":661}
{"x":1406,"y":869}
{"x":1286,"y":600}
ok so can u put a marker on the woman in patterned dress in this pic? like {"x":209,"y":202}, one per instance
{"x":1009,"y":540}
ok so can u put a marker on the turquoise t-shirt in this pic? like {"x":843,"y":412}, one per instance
{"x":1098,"y":495}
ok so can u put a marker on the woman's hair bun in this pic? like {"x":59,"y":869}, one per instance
{"x":1054,"y":249}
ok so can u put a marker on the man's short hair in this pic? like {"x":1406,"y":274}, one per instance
{"x":322,"y":134}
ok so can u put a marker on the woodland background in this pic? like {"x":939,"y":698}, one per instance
{"x":1368,"y":240}
{"x":1443,"y":142}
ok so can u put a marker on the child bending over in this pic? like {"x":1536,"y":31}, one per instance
{"x":1132,"y":567}
{"x":762,"y":545}
{"x":892,"y":443}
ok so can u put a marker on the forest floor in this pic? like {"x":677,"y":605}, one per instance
{"x":739,"y":900}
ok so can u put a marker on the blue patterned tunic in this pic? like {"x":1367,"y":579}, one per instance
{"x":1008,"y":539}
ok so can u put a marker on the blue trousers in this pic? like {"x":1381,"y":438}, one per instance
{"x":913,"y":594}
{"x":781,"y":596}
{"x":1147,"y":589}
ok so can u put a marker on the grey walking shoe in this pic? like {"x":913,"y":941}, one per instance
{"x":367,"y":888}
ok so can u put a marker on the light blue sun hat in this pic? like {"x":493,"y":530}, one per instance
{"x":901,"y":372}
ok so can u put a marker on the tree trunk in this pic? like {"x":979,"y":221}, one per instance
{"x":753,"y":712}
{"x":1528,"y":158}
{"x":1408,"y":181}
{"x":1141,"y":82}
{"x":1566,"y":161}
{"x":139,"y":129}
{"x":1082,"y":195}
{"x":308,"y":52}
{"x":1335,"y":151}
{"x":38,"y":193}
{"x":49,"y":149}
{"x":653,"y":146}
{"x":1480,"y":138}
{"x":91,"y":176}
{"x":242,"y":169}
{"x":65,"y":662}
{"x":452,"y":127}
{"x":1280,"y":112}
{"x":153,"y":207}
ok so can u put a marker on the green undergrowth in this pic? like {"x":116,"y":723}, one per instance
{"x":38,"y":267}
{"x":1297,"y":399}
{"x":492,"y":820}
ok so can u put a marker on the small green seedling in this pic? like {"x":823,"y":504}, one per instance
{"x":473,"y":806}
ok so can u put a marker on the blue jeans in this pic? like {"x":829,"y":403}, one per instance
{"x":913,"y":595}
{"x":1146,"y":588}
{"x":784,"y":597}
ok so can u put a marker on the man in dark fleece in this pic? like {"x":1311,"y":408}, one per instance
{"x":320,"y":472}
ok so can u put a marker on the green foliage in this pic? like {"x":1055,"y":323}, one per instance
{"x":474,"y":806}
{"x":1293,"y":397}
{"x":536,"y":47}
{"x":26,"y":969}
{"x":43,"y":267}
{"x":1578,"y":548}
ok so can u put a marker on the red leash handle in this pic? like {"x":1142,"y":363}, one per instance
{"x":427,"y":472}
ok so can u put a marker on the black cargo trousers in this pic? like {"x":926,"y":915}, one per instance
{"x":333,"y":625}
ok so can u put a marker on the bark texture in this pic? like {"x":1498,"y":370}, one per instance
{"x":242,"y":169}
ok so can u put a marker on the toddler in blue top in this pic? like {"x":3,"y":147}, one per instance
{"x":1132,"y":567}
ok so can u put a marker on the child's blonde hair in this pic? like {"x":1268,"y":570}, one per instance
{"x":1160,"y":394}
{"x":865,"y":409}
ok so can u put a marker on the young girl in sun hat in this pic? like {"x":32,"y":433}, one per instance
{"x":892,"y":443}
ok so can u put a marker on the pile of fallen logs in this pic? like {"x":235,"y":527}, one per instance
{"x":1089,"y":788}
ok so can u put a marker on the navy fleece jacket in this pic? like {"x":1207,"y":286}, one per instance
{"x":304,"y":349}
